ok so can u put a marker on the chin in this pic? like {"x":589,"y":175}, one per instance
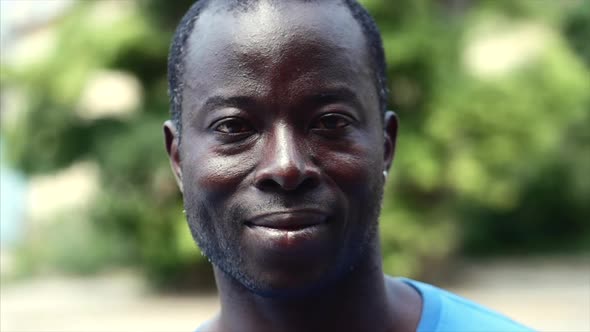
{"x":290,"y":286}
{"x":292,"y":279}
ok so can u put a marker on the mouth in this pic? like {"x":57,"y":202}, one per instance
{"x":291,"y":220}
{"x":289,"y":232}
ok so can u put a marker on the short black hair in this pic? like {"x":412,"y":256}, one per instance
{"x":186,"y":26}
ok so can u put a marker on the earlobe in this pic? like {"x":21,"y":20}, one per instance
{"x":390,"y":138}
{"x":171,"y":140}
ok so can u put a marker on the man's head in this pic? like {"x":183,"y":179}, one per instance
{"x":284,"y":138}
{"x":176,"y":59}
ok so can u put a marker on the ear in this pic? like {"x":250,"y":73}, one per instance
{"x":390,"y":139}
{"x":171,"y":140}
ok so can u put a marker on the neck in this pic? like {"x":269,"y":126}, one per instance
{"x":362,"y":300}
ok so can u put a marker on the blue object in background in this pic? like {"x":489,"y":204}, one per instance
{"x":13,"y":188}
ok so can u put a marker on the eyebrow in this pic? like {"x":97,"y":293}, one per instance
{"x":219,"y":101}
{"x":321,"y":98}
{"x":334,"y":95}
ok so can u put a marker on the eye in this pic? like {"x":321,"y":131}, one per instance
{"x":332,"y":121}
{"x":232,"y":126}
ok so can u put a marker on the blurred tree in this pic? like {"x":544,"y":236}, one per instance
{"x":576,"y":28}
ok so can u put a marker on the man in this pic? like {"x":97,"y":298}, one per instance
{"x":281,"y":143}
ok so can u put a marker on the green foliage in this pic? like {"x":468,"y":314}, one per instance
{"x":70,"y":244}
{"x":577,"y":31}
{"x":484,"y":164}
{"x":480,"y":160}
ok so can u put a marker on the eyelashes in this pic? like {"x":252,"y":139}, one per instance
{"x":332,"y":121}
{"x":235,"y":128}
{"x":232,"y":126}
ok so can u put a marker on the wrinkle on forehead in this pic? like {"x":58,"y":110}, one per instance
{"x":270,"y":26}
{"x":286,"y":42}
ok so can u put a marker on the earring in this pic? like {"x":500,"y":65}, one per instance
{"x":385,"y":175}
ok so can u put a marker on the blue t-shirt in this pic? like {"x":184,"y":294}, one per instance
{"x":446,"y":312}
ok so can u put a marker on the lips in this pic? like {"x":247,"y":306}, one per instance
{"x":291,"y":220}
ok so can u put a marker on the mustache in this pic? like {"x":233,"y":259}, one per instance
{"x":242,"y":210}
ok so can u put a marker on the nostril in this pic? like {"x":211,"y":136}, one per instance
{"x":287,"y":181}
{"x":309,"y":183}
{"x":268,"y":184}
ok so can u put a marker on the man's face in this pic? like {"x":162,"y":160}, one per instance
{"x":283,"y":148}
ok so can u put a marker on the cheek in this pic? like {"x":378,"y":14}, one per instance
{"x":206,"y":171}
{"x":356,"y":170}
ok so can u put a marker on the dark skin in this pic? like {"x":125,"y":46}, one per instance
{"x":281,"y":165}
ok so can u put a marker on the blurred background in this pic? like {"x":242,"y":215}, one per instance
{"x":489,"y":194}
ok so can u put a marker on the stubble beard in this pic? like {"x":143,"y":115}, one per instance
{"x":221,"y":246}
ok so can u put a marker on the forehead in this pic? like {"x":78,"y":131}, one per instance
{"x":275,"y":48}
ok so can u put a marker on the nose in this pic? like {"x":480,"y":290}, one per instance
{"x":286,"y":163}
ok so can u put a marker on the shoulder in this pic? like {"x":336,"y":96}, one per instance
{"x":209,"y":326}
{"x":444,"y":311}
